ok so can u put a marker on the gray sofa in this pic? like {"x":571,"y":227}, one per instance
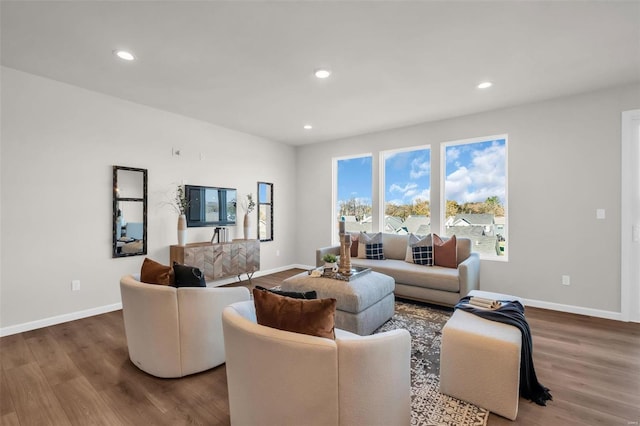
{"x":435,"y":284}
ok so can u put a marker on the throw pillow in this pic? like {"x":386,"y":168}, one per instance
{"x":364,"y":239}
{"x":293,"y":294}
{"x":354,"y":244}
{"x":423,"y":255}
{"x":374,"y":251}
{"x":445,"y":253}
{"x":312,"y":317}
{"x":188,"y":276}
{"x":153,"y":272}
{"x":416,"y":241}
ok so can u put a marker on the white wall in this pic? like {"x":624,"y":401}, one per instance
{"x":564,"y":163}
{"x":59,"y":143}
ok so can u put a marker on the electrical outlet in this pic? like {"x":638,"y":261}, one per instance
{"x":566,"y":280}
{"x":600,"y":214}
{"x":75,"y":285}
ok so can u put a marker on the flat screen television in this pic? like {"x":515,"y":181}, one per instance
{"x":210,"y":206}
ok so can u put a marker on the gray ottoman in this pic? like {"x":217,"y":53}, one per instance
{"x":363,"y":304}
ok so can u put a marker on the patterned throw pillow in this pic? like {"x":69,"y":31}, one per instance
{"x":416,"y":241}
{"x":423,"y":255}
{"x":365,"y":239}
{"x":374,"y":251}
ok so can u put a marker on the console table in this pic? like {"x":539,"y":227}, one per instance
{"x":220,"y":260}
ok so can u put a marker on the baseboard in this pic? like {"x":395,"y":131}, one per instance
{"x":598,"y":313}
{"x":59,"y":319}
{"x":72,"y":316}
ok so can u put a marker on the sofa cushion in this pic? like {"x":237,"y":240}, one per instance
{"x":435,"y":277}
{"x":445,"y":252}
{"x":153,"y":272}
{"x":312,"y":317}
{"x":395,"y":245}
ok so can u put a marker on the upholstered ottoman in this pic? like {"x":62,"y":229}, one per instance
{"x":362,"y":304}
{"x":480,"y":360}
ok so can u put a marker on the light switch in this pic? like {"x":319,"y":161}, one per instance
{"x":600,"y":214}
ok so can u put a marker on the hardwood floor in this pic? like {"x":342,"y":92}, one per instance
{"x":79,"y":373}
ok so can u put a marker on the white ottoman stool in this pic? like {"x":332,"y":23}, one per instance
{"x":480,"y":360}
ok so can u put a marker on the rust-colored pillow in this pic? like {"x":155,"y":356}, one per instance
{"x":354,"y":244}
{"x":445,"y":253}
{"x":312,"y":317}
{"x":153,"y":272}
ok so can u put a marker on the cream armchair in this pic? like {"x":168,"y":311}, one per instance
{"x":173,"y":332}
{"x":281,"y":378}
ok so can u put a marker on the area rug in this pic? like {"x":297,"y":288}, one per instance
{"x":428,"y":405}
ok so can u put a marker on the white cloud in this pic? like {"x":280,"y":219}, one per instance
{"x":484,"y":177}
{"x":419,"y":168}
{"x":402,"y":189}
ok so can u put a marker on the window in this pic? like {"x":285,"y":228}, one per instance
{"x":475,"y":193}
{"x":265,"y":211}
{"x":407,"y":187}
{"x":353,"y":194}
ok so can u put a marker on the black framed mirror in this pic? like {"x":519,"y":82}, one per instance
{"x":129,"y":221}
{"x":265,"y":211}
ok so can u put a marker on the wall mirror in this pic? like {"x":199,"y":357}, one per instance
{"x":129,"y":211}
{"x":265,"y":211}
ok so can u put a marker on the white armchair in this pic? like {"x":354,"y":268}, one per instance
{"x":174,"y":332}
{"x":282,"y":378}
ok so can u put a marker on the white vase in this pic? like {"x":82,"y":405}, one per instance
{"x":182,"y":230}
{"x":246,"y":226}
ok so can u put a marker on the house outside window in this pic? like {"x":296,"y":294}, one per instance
{"x":474,"y":191}
{"x":353,"y":202}
{"x":406,"y":179}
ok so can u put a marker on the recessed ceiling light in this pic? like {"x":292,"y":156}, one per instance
{"x":308,"y":127}
{"x":485,"y":85}
{"x":322,"y":73}
{"x":123,"y":54}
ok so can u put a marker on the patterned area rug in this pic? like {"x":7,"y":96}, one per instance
{"x":428,"y":405}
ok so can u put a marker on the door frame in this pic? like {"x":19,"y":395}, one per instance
{"x":629,"y":279}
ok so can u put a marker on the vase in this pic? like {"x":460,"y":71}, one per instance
{"x":182,"y":230}
{"x":246,"y":226}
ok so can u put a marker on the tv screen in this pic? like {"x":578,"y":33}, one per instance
{"x":210,"y":206}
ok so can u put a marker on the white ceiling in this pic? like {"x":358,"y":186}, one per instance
{"x":249,"y":65}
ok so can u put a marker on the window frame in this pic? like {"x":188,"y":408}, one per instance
{"x":335,"y":238}
{"x":382,"y":179}
{"x":443,"y":178}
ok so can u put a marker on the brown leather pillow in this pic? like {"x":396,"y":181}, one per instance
{"x":153,"y":272}
{"x":445,"y":253}
{"x":312,"y":317}
{"x":354,"y":244}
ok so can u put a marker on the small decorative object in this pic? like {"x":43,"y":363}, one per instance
{"x":345,"y":251}
{"x":180,"y":204}
{"x":330,"y":262}
{"x":247,"y":205}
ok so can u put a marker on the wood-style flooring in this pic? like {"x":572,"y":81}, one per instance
{"x":79,"y":373}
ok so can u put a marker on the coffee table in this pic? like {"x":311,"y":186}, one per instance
{"x":362,"y":304}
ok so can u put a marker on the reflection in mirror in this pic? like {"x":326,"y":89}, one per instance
{"x":265,"y":211}
{"x":129,"y":211}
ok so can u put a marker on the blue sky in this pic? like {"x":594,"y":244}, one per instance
{"x":474,"y":172}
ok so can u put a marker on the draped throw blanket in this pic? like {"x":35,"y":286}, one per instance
{"x":512,"y":313}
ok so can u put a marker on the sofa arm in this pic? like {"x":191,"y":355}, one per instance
{"x":469,"y":274}
{"x":326,"y":250}
{"x":375,"y":378}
